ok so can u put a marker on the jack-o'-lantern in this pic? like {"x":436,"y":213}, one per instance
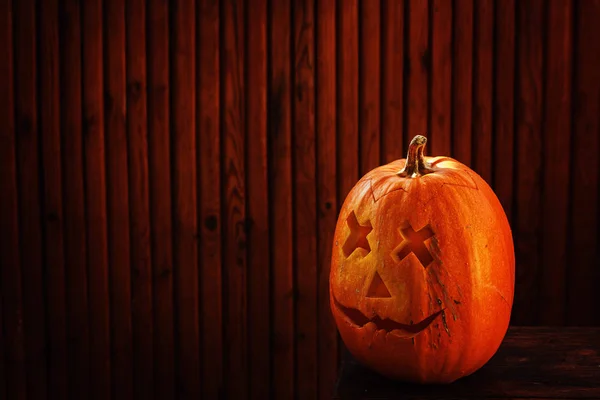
{"x":422,"y":271}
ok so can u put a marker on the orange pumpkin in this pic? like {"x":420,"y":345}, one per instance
{"x":422,"y":271}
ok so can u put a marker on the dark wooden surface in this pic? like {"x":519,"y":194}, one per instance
{"x":533,"y":362}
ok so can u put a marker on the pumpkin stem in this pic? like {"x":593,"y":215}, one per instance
{"x":415,"y":161}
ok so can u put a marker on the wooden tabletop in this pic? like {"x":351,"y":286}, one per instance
{"x":533,"y":362}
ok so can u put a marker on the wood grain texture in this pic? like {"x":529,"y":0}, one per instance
{"x":30,"y":187}
{"x":305,"y":208}
{"x":53,"y":214}
{"x":185,"y":242}
{"x":483,"y":73}
{"x":96,"y":198}
{"x":418,"y":68}
{"x":528,"y":134}
{"x":234,"y":199}
{"x":160,"y":186}
{"x":141,"y":257}
{"x":280,"y":196}
{"x":532,"y":362}
{"x":556,"y":150}
{"x":325,"y":125}
{"x":117,"y":200}
{"x":71,"y":117}
{"x":584,"y":256}
{"x":504,"y":109}
{"x":2,"y":356}
{"x":173,"y":174}
{"x":370,"y":85}
{"x":441,"y":79}
{"x":259,"y":279}
{"x":209,"y":213}
{"x":462,"y":80}
{"x":347,"y":97}
{"x":392,"y":80}
{"x":13,"y":344}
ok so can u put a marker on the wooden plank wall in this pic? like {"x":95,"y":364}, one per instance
{"x":170,"y":175}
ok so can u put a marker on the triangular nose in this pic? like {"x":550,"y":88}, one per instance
{"x":378,"y":288}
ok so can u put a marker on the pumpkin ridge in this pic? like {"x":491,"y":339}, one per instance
{"x":495,"y":289}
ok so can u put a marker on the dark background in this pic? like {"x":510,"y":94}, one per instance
{"x":170,"y":175}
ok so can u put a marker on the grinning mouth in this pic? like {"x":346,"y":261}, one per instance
{"x":386,"y":324}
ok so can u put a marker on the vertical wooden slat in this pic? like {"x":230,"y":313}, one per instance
{"x":483,"y":36}
{"x":347,"y":97}
{"x":95,"y":196}
{"x":234,"y":199}
{"x":441,"y":78}
{"x":210,"y":200}
{"x":78,"y":327}
{"x":392,"y":80}
{"x":3,"y":392}
{"x":419,"y":65}
{"x":53,"y":210}
{"x":347,"y":63}
{"x":325,"y":123}
{"x":370,"y":89}
{"x":280,"y":177}
{"x":259,"y":288}
{"x":462,"y":79}
{"x":141,"y":258}
{"x":160,"y":199}
{"x":504,"y":85}
{"x":10,"y":269}
{"x":529,"y":162}
{"x":29,"y":182}
{"x":183,"y":110}
{"x":557,"y":127}
{"x":305,"y":198}
{"x":584,"y":254}
{"x":117,"y":201}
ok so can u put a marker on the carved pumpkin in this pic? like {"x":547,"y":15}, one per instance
{"x":422,"y":272}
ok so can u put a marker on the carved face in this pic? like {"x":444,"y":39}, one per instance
{"x":422,"y":272}
{"x":411,"y":242}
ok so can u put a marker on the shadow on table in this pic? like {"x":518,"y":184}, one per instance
{"x":558,"y":363}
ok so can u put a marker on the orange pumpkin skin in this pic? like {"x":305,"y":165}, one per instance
{"x":432,"y":323}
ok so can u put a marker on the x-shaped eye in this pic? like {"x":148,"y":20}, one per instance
{"x":414,"y":242}
{"x":358,"y":235}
